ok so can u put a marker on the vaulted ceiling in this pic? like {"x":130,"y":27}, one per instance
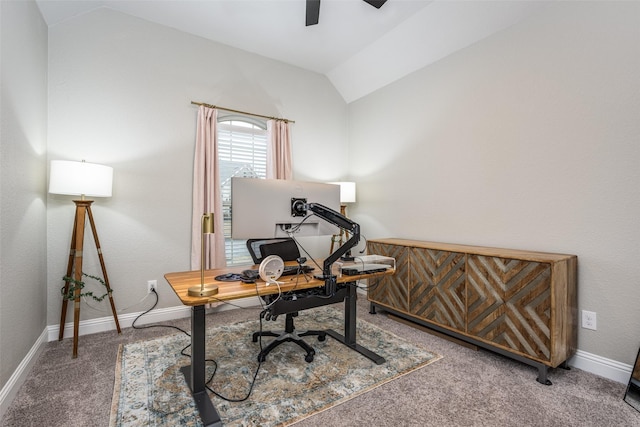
{"x":358,"y":47}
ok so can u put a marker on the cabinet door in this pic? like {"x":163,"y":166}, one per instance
{"x":437,"y":287}
{"x":509,"y":304}
{"x":391,"y":290}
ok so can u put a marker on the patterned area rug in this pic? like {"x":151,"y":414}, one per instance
{"x":150,"y":390}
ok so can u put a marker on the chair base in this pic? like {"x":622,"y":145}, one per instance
{"x":289,"y":335}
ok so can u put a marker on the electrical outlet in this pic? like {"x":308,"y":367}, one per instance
{"x":589,"y":319}
{"x":152,"y":285}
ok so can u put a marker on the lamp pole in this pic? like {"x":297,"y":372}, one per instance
{"x":83,"y":209}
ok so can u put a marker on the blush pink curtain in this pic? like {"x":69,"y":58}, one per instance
{"x":206,"y":192}
{"x":279,"y":150}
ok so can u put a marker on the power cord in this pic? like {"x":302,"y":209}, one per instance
{"x":184,"y":353}
{"x":100,"y":310}
{"x":255,"y":375}
{"x":133,"y":325}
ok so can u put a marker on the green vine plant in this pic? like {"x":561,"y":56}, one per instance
{"x":78,"y":284}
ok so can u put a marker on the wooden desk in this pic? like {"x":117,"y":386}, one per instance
{"x":195,"y":373}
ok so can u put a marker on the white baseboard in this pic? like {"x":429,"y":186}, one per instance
{"x":10,"y":389}
{"x":104,"y":324}
{"x":592,"y":363}
{"x":598,"y":365}
{"x":601,"y":366}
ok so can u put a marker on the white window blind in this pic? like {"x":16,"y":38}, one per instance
{"x":242,"y":152}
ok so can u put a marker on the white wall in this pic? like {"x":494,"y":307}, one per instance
{"x":120,"y":93}
{"x":525,"y":140}
{"x":23,"y":124}
{"x":528,"y":139}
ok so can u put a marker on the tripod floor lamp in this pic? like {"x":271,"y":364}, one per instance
{"x":81,"y":179}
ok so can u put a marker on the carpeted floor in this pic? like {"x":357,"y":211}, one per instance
{"x":150,"y":388}
{"x":465,"y":388}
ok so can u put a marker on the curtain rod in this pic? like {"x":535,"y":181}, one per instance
{"x":241,"y":112}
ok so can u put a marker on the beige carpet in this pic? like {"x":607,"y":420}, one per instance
{"x":465,"y":388}
{"x":150,"y":389}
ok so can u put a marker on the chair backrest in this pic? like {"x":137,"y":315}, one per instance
{"x":286,"y":248}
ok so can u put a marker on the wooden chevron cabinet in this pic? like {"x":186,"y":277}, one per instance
{"x":521,"y":304}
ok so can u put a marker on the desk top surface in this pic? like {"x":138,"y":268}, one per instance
{"x":180,"y":282}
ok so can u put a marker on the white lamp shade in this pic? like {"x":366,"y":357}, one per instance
{"x":347,"y":192}
{"x":80,"y":178}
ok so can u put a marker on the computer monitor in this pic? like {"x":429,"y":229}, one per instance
{"x":262,"y":208}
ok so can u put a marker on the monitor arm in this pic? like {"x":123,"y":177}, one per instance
{"x":343,"y":223}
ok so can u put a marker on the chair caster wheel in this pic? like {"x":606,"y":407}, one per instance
{"x":261,"y":358}
{"x":308,"y":358}
{"x":322,"y":337}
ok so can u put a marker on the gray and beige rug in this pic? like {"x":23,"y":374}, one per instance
{"x":150,"y":389}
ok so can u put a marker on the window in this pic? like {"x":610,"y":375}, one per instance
{"x":242,"y":152}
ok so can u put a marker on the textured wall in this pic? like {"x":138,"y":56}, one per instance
{"x":23,"y":126}
{"x":120,"y":93}
{"x":526,"y":140}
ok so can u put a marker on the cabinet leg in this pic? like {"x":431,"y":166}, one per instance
{"x":372,"y":308}
{"x":542,"y":375}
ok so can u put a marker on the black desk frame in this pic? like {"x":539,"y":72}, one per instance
{"x":196,"y":372}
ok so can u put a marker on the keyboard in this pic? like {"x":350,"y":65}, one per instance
{"x":289,"y":270}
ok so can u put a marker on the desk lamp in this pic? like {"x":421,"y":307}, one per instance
{"x":204,"y":290}
{"x":81,"y":179}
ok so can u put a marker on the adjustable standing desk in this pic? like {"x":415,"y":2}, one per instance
{"x":195,"y":373}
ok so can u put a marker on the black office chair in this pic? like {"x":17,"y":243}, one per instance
{"x":287,"y":249}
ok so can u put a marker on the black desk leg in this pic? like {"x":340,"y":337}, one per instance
{"x":349,"y":338}
{"x":195,"y":373}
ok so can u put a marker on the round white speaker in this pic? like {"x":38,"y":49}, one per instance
{"x":271,"y":269}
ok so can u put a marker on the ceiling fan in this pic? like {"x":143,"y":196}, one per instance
{"x":313,"y":9}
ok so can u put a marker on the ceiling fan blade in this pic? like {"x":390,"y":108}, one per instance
{"x":375,"y":3}
{"x":313,"y":12}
